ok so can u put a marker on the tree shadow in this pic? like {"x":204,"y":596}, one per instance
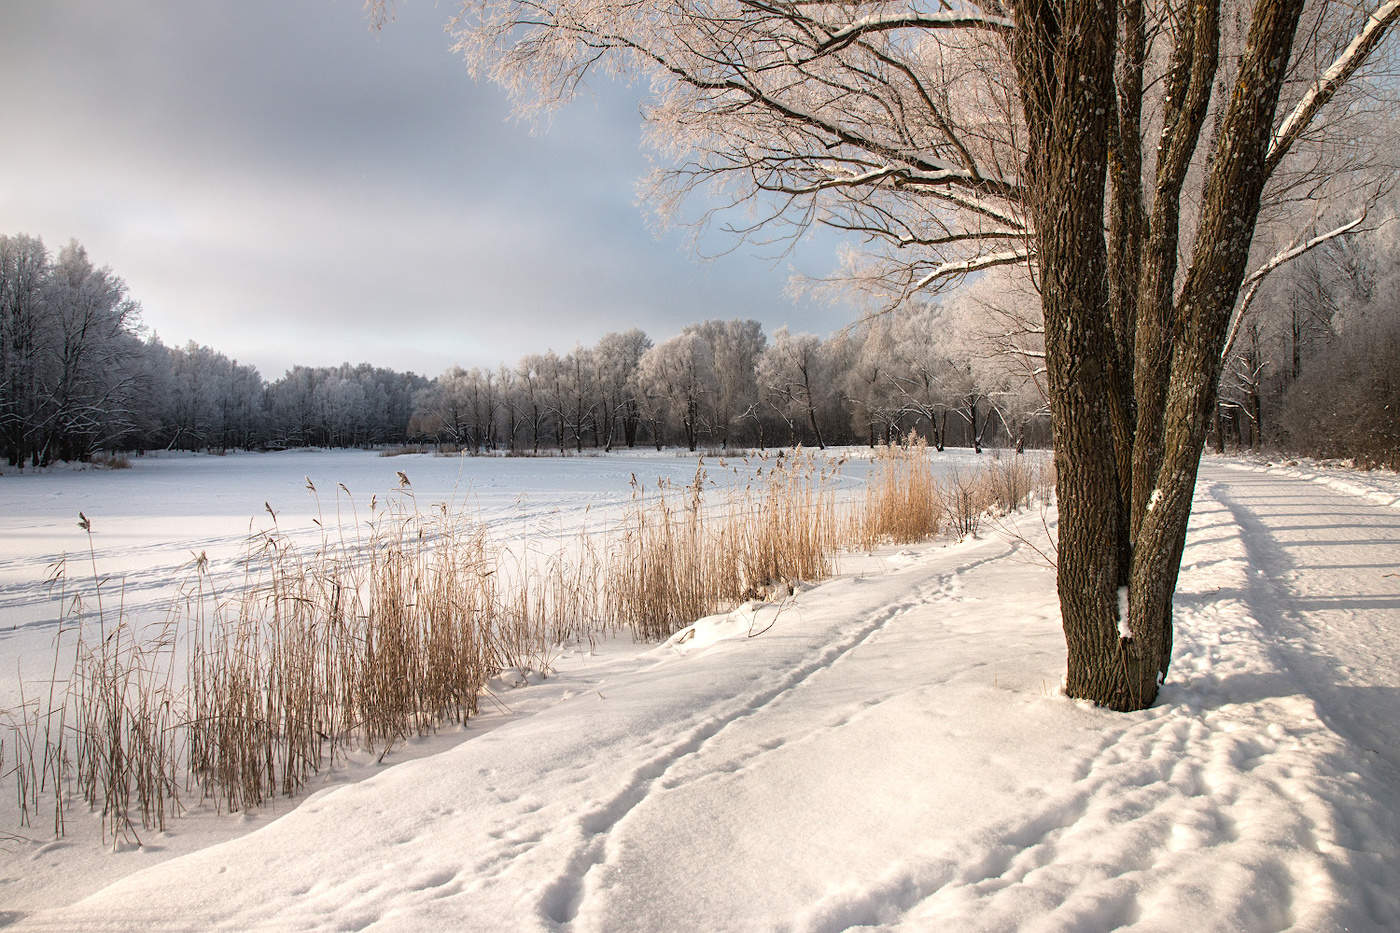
{"x":1367,"y":715}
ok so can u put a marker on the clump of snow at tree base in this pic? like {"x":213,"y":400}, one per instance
{"x":887,"y":749}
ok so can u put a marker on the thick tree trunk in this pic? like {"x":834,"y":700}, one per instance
{"x":1229,"y":210}
{"x":1064,"y":57}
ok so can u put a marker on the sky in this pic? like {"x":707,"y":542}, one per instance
{"x":283,"y":183}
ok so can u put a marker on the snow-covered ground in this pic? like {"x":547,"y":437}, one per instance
{"x":1379,"y":486}
{"x":887,"y":749}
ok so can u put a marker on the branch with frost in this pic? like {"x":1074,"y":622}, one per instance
{"x":1255,"y":279}
{"x":966,"y":266}
{"x":980,"y":206}
{"x":925,"y":172}
{"x":897,"y":177}
{"x":1331,"y":80}
{"x":873,"y":177}
{"x":905,"y":240}
{"x":947,"y":19}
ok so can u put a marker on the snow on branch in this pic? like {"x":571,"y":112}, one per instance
{"x":1293,"y":252}
{"x":1288,"y":254}
{"x":1331,"y":80}
{"x":976,"y":263}
{"x":947,"y":19}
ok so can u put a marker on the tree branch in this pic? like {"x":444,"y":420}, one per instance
{"x":1331,"y":80}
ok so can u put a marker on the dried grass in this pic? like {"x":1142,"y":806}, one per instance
{"x":968,"y":496}
{"x":903,"y":501}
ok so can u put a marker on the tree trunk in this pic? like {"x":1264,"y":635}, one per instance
{"x":1064,"y":59}
{"x":1229,"y":210}
{"x":816,"y":430}
{"x":972,"y":421}
{"x":1256,"y":411}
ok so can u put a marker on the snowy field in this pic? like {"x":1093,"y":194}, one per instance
{"x":888,"y":749}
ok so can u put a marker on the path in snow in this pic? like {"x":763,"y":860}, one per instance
{"x":1327,"y":588}
{"x":891,"y":752}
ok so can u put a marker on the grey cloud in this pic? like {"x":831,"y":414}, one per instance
{"x":278,"y":181}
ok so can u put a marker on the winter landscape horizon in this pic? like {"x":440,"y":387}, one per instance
{"x":572,"y":465}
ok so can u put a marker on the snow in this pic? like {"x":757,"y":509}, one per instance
{"x":886,"y":749}
{"x":1379,"y":486}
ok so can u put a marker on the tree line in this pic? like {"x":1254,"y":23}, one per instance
{"x":78,"y":374}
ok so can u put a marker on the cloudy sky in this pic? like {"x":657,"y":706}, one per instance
{"x":278,"y":181}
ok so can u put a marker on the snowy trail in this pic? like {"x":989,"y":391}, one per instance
{"x":1328,"y":582}
{"x":891,"y":753}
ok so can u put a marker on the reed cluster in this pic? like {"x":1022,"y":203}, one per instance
{"x":677,"y":557}
{"x":903,"y":499}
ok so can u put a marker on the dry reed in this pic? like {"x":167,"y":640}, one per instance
{"x":903,"y":502}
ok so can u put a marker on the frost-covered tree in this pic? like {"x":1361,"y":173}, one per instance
{"x":617,"y":357}
{"x":960,"y":136}
{"x":24,"y":333}
{"x":797,"y":380}
{"x":735,"y":348}
{"x":922,"y":369}
{"x":73,"y":357}
{"x":869,"y":382}
{"x":443,"y":408}
{"x":579,"y":402}
{"x":529,"y":397}
{"x":675,"y":379}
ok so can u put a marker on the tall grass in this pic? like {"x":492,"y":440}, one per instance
{"x":677,"y":558}
{"x":903,"y":500}
{"x":390,"y":628}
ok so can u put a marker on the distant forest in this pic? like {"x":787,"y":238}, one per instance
{"x":78,"y":376}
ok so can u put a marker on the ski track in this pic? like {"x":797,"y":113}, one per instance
{"x":563,"y":898}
